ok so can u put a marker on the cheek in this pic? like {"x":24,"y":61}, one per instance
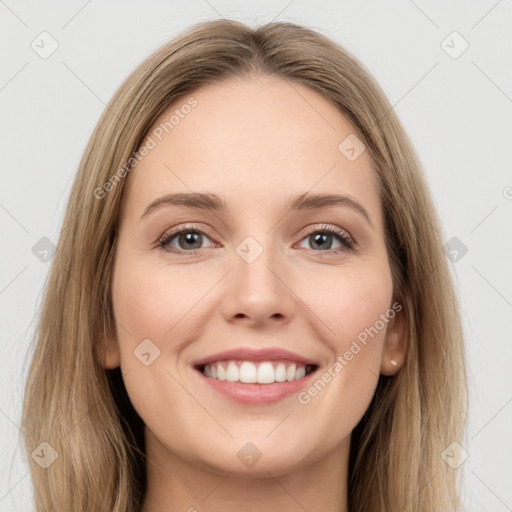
{"x":351,"y":303}
{"x":358,"y":318}
{"x":156,"y":302}
{"x":357,"y":310}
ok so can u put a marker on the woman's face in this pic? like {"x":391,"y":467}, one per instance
{"x":289,"y":282}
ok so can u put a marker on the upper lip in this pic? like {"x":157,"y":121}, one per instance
{"x":249,"y":354}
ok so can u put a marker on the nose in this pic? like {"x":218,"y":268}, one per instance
{"x":258,"y":292}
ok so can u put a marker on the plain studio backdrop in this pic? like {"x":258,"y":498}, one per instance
{"x":446,"y":70}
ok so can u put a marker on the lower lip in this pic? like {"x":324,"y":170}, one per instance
{"x":257,"y":394}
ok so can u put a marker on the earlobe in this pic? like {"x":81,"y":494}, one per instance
{"x":395,"y":345}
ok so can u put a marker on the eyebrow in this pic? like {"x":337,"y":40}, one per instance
{"x":302,"y":202}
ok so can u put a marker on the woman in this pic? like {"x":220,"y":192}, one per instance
{"x":249,"y":306}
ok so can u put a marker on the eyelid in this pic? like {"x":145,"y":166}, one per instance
{"x":330,"y":228}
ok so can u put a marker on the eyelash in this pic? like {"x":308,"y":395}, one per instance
{"x":346,"y":241}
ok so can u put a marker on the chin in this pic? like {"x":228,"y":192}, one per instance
{"x":256,"y":459}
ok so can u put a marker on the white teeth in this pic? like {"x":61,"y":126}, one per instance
{"x":290,"y":372}
{"x":248,"y":372}
{"x":232,"y":373}
{"x":281,"y":372}
{"x":265,"y":372}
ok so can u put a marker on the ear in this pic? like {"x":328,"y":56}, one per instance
{"x":108,"y":350}
{"x":395,"y":344}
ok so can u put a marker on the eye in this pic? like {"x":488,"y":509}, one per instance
{"x":187,"y":239}
{"x":324,"y":236}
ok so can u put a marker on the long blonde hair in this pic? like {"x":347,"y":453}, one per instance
{"x":82,"y":410}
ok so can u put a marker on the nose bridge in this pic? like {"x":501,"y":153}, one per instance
{"x":257,"y":287}
{"x":257,"y":258}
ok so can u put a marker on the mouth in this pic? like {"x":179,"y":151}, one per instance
{"x":256,"y":377}
{"x":256,"y":372}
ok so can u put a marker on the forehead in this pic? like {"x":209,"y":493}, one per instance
{"x":249,"y":140}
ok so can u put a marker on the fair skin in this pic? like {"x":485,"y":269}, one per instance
{"x":255,"y":143}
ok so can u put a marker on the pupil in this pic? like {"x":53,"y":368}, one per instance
{"x":321,"y":238}
{"x":192,"y":238}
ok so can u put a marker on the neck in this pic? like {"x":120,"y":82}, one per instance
{"x":175,"y":484}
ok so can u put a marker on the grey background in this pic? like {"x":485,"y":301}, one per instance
{"x":457,"y":112}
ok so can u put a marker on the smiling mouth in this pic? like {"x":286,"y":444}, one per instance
{"x":252,"y":372}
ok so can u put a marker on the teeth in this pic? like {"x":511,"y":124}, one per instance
{"x":247,"y":372}
{"x":290,"y":372}
{"x":232,"y":373}
{"x":265,"y":372}
{"x":280,"y":372}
